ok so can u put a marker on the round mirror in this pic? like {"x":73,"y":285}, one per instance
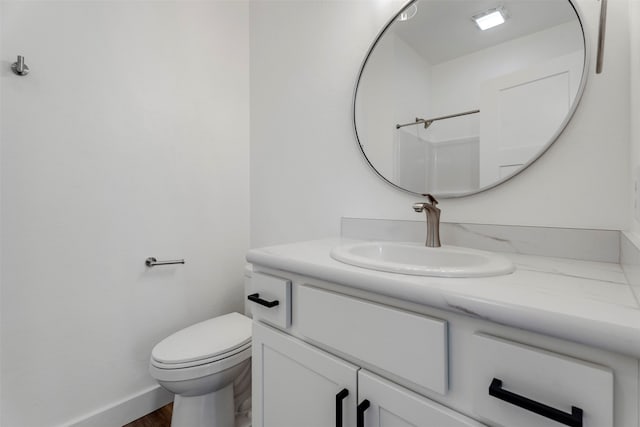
{"x":457,"y":96}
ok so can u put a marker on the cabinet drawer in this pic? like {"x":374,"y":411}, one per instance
{"x":401,"y":343}
{"x":270,"y":299}
{"x":531,"y":386}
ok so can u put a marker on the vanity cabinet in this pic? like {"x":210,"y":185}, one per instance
{"x":296,"y":385}
{"x":355,"y":359}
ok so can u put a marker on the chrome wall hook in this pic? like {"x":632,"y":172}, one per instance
{"x":19,"y":67}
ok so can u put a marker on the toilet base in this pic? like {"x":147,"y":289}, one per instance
{"x":214,"y":409}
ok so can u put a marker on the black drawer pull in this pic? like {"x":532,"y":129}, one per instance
{"x":574,"y":419}
{"x":339,"y":398}
{"x":256,"y":298}
{"x":360,"y":412}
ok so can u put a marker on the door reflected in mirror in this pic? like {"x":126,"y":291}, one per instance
{"x":447,"y":108}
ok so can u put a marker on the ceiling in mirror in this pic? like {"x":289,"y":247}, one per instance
{"x":443,"y":107}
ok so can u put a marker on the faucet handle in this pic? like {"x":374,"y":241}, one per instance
{"x":418,"y":206}
{"x":431,"y":201}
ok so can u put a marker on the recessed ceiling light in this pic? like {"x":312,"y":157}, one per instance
{"x":408,"y":13}
{"x":490,"y":18}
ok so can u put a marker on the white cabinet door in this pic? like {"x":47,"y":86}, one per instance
{"x":389,"y":405}
{"x":297,"y":385}
{"x":521,"y":113}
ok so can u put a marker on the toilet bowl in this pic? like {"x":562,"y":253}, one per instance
{"x":199,"y":365}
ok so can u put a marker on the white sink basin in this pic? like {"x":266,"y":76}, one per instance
{"x":419,"y":260}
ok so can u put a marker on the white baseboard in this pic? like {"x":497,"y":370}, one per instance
{"x":126,"y":410}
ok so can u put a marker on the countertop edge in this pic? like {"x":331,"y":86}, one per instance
{"x":591,"y":331}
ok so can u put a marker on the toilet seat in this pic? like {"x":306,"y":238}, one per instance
{"x":204,"y":361}
{"x":204,"y":342}
{"x":202,"y":349}
{"x":161,"y":372}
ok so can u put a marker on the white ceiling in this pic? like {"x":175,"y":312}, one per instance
{"x":443,"y":29}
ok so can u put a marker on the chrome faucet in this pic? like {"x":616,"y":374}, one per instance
{"x":433,"y":220}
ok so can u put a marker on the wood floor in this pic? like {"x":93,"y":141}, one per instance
{"x":159,"y":418}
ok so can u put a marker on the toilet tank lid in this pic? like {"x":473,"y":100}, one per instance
{"x":204,"y":340}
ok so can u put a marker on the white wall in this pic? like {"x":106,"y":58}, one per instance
{"x":634,"y":24}
{"x":128,"y":139}
{"x":305,"y":57}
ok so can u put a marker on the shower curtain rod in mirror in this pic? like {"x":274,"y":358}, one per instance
{"x":427,"y":122}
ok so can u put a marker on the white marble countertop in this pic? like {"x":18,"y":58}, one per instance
{"x":583,"y":301}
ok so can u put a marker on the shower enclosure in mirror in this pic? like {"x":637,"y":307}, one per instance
{"x":445,"y":107}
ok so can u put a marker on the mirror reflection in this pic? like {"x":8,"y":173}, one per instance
{"x":456,"y":96}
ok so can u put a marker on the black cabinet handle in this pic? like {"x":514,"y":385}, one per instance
{"x":574,"y":419}
{"x":360,"y":412}
{"x":256,"y":298}
{"x":339,"y":398}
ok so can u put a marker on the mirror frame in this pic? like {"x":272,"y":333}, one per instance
{"x":554,"y":138}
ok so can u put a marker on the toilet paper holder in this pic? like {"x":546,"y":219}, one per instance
{"x":152,"y":262}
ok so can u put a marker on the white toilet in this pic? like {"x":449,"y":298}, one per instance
{"x":199,"y":364}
